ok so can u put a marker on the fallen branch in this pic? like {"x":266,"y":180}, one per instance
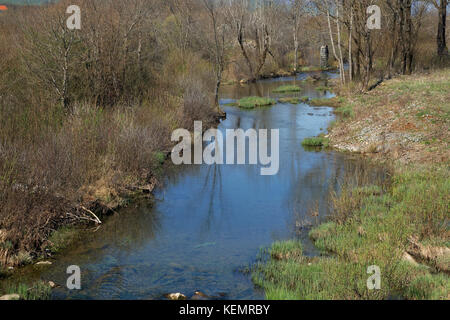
{"x":97,"y":220}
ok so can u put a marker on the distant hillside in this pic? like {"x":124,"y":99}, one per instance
{"x":22,"y":2}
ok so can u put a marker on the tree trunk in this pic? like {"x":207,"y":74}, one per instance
{"x":350,"y":40}
{"x":332,"y":44}
{"x":295,"y":45}
{"x":409,"y":36}
{"x":441,"y":41}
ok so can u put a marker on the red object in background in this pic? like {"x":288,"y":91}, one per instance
{"x":3,"y":8}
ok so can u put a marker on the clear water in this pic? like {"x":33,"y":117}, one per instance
{"x":209,"y":222}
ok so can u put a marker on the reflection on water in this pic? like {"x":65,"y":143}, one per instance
{"x":208,"y":222}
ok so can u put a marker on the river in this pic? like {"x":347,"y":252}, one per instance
{"x":208,"y":223}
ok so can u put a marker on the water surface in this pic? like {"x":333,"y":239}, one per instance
{"x":208,"y":223}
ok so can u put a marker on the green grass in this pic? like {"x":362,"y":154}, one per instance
{"x":429,"y":287}
{"x":345,"y":111}
{"x":315,"y":142}
{"x":62,"y":237}
{"x":291,"y":249}
{"x":314,"y":68}
{"x":160,"y":157}
{"x":304,"y":99}
{"x":287,"y":88}
{"x":38,"y":291}
{"x":323,"y":88}
{"x":332,"y":102}
{"x":253,"y":102}
{"x":369,"y":227}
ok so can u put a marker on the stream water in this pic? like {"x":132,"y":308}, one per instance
{"x":208,"y":223}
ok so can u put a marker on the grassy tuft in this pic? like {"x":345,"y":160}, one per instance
{"x":323,"y":88}
{"x":287,"y":88}
{"x":62,"y":237}
{"x":345,"y":111}
{"x":253,"y":102}
{"x":324,"y":102}
{"x":38,"y":291}
{"x":290,"y":100}
{"x":316,"y":142}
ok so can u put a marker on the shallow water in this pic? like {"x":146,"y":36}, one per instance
{"x":208,"y":223}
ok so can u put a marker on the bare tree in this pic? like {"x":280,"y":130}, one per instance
{"x":441,"y":6}
{"x":296,"y":10}
{"x":217,"y":45}
{"x":252,"y":31}
{"x":49,"y":54}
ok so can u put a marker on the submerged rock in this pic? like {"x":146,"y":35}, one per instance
{"x":175,"y":296}
{"x":198,"y":295}
{"x":13,"y":296}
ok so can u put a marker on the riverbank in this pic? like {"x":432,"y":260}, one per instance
{"x":400,"y":226}
{"x":279,"y":74}
{"x":127,"y":172}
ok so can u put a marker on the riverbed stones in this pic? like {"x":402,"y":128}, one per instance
{"x":198,"y":295}
{"x":175,"y":296}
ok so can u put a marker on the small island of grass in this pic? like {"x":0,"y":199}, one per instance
{"x":293,"y":100}
{"x":252,"y":102}
{"x":287,"y":88}
{"x":315,"y":142}
{"x":323,"y":88}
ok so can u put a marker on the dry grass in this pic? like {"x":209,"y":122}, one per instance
{"x":108,"y":139}
{"x":404,"y":119}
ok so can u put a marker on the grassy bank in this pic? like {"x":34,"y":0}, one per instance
{"x":402,"y":227}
